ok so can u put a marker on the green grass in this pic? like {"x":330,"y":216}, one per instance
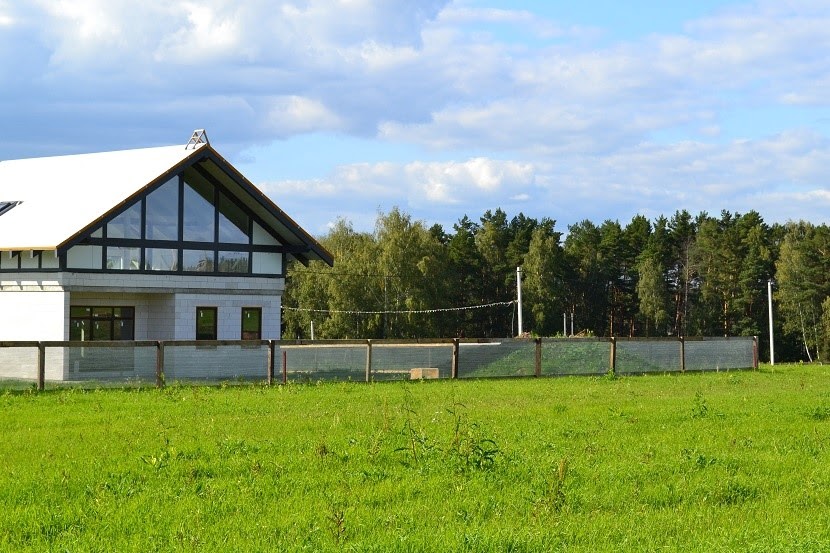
{"x":734,"y":461}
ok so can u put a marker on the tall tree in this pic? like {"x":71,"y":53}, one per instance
{"x":681,"y":269}
{"x":466,"y":280}
{"x":612,"y":260}
{"x":492,"y":239}
{"x":756,"y":269}
{"x":520,"y":231}
{"x":651,"y":290}
{"x":543,"y":271}
{"x":320,"y":295}
{"x":718,"y":259}
{"x":409,"y":259}
{"x":636,"y":236}
{"x":587,"y":282}
{"x":803,"y":282}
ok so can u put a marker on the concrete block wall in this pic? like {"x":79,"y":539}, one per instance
{"x":153,"y":312}
{"x":131,"y":282}
{"x":229,"y":313}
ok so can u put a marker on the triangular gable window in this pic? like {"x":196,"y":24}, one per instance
{"x":186,"y":225}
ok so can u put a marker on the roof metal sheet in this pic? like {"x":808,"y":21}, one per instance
{"x":61,"y":195}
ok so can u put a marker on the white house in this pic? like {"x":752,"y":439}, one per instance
{"x":168,"y":243}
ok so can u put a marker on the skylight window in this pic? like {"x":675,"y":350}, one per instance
{"x":6,"y":206}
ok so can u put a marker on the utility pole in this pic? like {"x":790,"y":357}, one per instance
{"x":519,"y":296}
{"x":771,"y":344}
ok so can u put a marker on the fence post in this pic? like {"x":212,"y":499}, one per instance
{"x":454,"y":365}
{"x":284,"y":367}
{"x":269,"y":370}
{"x":368,"y":360}
{"x":538,"y":368}
{"x":159,"y":364}
{"x":613,"y":359}
{"x":682,"y":355}
{"x":41,"y":366}
{"x":755,"y":353}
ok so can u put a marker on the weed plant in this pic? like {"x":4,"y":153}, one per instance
{"x":697,"y":462}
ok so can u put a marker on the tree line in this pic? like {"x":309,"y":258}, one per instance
{"x":679,"y":276}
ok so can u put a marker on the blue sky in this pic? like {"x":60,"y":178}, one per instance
{"x":569,"y":110}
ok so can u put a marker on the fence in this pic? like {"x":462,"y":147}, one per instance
{"x":158,"y":362}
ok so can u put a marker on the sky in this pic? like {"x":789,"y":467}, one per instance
{"x":593,"y":110}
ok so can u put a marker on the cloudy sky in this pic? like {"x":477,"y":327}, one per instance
{"x":595,"y":110}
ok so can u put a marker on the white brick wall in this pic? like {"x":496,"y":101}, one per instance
{"x":165,"y":304}
{"x":153,"y":312}
{"x":128,"y":282}
{"x":229,"y":312}
{"x":33,"y":315}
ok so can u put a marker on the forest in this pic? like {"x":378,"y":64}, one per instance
{"x":684,"y":275}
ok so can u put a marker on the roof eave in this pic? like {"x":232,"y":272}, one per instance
{"x":315,"y":247}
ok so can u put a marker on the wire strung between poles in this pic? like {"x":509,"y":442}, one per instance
{"x":411,"y":311}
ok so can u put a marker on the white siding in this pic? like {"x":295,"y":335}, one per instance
{"x":49,"y":259}
{"x":33,"y":315}
{"x":8,"y":260}
{"x":28,"y":260}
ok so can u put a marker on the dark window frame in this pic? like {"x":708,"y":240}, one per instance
{"x":215,"y":331}
{"x":258,"y":332}
{"x":180,"y":244}
{"x":112,"y":319}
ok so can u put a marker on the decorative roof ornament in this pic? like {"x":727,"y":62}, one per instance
{"x":6,"y":206}
{"x":199,"y":137}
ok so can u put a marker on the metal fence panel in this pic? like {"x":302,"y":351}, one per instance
{"x":134,"y":363}
{"x":575,"y":356}
{"x":215,"y":362}
{"x":411,"y":361}
{"x":325,"y":362}
{"x":645,"y":356}
{"x":499,"y":358}
{"x":72,"y":365}
{"x":718,"y":354}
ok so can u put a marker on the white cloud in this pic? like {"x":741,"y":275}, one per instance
{"x":537,"y":109}
{"x":205,"y":34}
{"x":420,"y":183}
{"x":294,"y":114}
{"x":7,"y":19}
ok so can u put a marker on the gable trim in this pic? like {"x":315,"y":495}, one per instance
{"x":298,"y":244}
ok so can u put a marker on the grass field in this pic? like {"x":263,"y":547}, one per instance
{"x":709,"y":462}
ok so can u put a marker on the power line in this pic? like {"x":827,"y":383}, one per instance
{"x":411,"y":311}
{"x":305,"y":271}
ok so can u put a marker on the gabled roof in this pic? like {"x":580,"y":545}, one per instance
{"x":63,"y":197}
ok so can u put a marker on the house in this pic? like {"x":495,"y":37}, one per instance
{"x":167,"y":243}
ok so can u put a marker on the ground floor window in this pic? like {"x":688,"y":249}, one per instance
{"x":206,"y":320}
{"x":101,"y":323}
{"x":252,"y":323}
